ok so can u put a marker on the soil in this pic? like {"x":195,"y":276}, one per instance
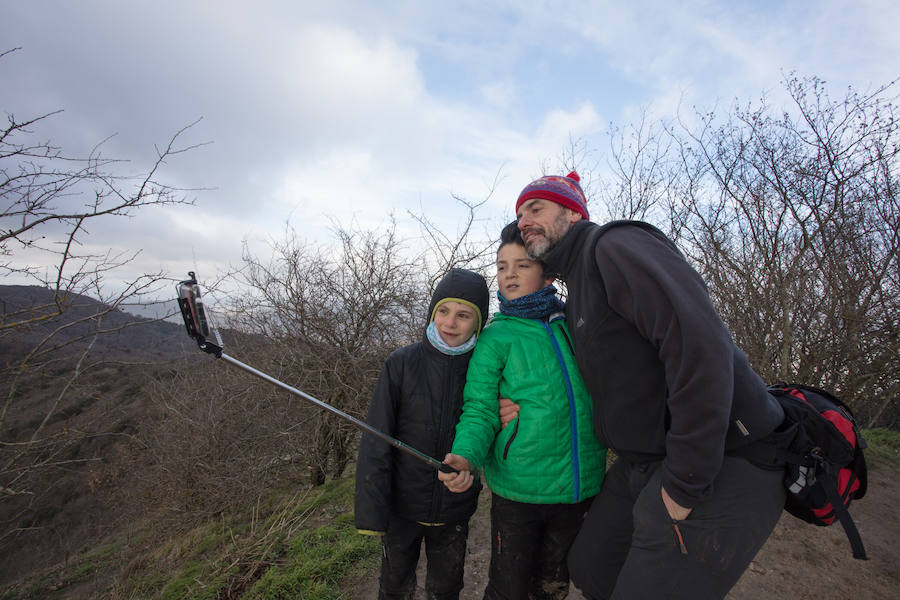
{"x":799,"y":561}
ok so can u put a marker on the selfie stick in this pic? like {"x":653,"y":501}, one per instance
{"x":197,"y":324}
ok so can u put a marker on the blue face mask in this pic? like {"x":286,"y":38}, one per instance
{"x":438,"y":342}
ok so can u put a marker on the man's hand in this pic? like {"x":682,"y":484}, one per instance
{"x":676,"y":511}
{"x":457,"y":482}
{"x":509,"y":412}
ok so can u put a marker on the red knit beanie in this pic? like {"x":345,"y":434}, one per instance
{"x":562,"y":190}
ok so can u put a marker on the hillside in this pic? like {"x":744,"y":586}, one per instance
{"x":61,"y":485}
{"x":150,"y":430}
{"x":131,"y":337}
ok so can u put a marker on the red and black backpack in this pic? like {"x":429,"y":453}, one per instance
{"x":823,"y":453}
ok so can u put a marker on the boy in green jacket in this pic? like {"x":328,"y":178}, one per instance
{"x":546,"y":466}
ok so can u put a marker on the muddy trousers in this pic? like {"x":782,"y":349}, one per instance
{"x":630,"y":548}
{"x":445,"y":551}
{"x":529,"y":544}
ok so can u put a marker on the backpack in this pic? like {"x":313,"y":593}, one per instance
{"x":823,"y":453}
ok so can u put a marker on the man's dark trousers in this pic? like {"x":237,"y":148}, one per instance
{"x":630,"y":548}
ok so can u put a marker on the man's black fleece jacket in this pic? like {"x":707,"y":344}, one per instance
{"x":666,"y":378}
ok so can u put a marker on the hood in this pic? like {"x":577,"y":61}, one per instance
{"x":463,"y":285}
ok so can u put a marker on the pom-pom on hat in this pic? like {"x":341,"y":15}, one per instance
{"x":562,"y":190}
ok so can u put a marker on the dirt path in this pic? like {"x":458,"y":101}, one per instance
{"x":805,"y":562}
{"x":799,"y":561}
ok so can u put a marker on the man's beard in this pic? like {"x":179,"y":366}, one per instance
{"x":538,"y":249}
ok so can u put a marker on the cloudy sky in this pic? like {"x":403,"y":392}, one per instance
{"x":349,"y":110}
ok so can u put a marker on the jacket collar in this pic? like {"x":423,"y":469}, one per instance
{"x":562,"y":257}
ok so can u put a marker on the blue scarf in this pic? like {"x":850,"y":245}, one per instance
{"x":438,"y":342}
{"x":536,"y":305}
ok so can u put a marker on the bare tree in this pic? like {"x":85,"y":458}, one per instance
{"x":332,"y":317}
{"x":645,"y":179}
{"x":48,"y":330}
{"x":792,"y":217}
{"x":468,"y":247}
{"x":218,"y":440}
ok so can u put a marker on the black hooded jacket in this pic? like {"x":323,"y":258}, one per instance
{"x":666,"y":378}
{"x":418,"y":400}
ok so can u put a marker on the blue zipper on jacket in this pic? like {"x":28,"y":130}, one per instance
{"x":573,"y":415}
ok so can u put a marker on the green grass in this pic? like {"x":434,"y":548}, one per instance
{"x":302,"y":546}
{"x":884,"y":444}
{"x":287,"y":545}
{"x":319,"y":560}
{"x":54,"y":582}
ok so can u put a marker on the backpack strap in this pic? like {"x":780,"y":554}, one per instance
{"x":843,"y":515}
{"x":763,"y":453}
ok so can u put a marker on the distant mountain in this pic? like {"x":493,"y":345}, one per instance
{"x":86,"y":423}
{"x":123,"y":334}
{"x":165,"y":310}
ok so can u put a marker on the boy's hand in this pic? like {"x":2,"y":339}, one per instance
{"x":509,"y":412}
{"x":457,"y":482}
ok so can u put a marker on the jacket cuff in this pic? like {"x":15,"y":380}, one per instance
{"x":677,"y":493}
{"x":369,"y":532}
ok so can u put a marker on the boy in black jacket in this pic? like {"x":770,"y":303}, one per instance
{"x":418,"y":400}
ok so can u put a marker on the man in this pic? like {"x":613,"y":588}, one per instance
{"x":681,"y":513}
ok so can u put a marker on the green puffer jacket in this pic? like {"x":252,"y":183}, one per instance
{"x":549,"y":455}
